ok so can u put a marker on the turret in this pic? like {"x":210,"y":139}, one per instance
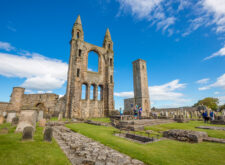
{"x":77,"y":32}
{"x":108,"y":44}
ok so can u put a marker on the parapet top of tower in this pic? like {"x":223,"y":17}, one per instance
{"x":138,"y":60}
{"x":78,"y":34}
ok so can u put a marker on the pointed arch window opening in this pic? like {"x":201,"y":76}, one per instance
{"x":93,"y":61}
{"x":78,"y":34}
{"x":84,"y":92}
{"x":92,"y":92}
{"x":100,"y":93}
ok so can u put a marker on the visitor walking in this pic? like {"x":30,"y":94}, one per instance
{"x":205,"y":117}
{"x":212,"y":115}
{"x":139,"y":112}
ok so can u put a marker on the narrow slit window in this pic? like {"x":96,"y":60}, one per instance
{"x":111,"y":79}
{"x":78,"y":72}
{"x":78,"y":35}
{"x":80,"y":51}
{"x":109,"y":46}
{"x":111,"y":62}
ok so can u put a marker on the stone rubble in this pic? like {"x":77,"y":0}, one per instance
{"x":212,"y":127}
{"x":81,"y":150}
{"x":185,"y":135}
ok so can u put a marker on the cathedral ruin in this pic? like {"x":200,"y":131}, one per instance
{"x":79,"y":75}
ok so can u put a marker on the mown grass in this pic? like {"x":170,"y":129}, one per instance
{"x":189,"y":126}
{"x":102,"y":119}
{"x":13,"y":151}
{"x":165,"y":152}
{"x":56,"y":119}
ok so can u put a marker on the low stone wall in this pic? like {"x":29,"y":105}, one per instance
{"x":85,"y":151}
{"x":212,"y":127}
{"x":138,"y":138}
{"x":185,"y":135}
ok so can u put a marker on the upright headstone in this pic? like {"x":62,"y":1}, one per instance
{"x":2,"y":119}
{"x":60,"y":116}
{"x":15,"y":121}
{"x":42,"y":122}
{"x":27,"y":118}
{"x":48,"y":134}
{"x":10,"y":116}
{"x":28,"y":132}
{"x":40,"y":115}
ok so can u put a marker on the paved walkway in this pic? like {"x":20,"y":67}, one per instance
{"x":81,"y":150}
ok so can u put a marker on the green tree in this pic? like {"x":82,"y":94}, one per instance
{"x":210,"y":102}
{"x":222,"y":107}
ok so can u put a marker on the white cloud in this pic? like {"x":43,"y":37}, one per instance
{"x":221,"y":52}
{"x":40,"y":73}
{"x":203,"y":81}
{"x":6,"y":46}
{"x":221,"y":99}
{"x":139,"y":8}
{"x":166,"y":92}
{"x":220,"y":83}
{"x":217,"y":9}
{"x":216,"y":93}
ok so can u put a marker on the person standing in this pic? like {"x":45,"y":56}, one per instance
{"x":139,"y":112}
{"x":212,"y":115}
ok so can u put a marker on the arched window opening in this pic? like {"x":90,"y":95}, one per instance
{"x":80,"y":51}
{"x":78,"y":72}
{"x":111,"y":62}
{"x":100,"y":92}
{"x":84,"y":92}
{"x":78,"y":34}
{"x":111,"y":79}
{"x":109,"y":46}
{"x":92,"y":61}
{"x":143,"y":67}
{"x":92,"y":92}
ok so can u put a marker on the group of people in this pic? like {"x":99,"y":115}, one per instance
{"x":206,"y":117}
{"x":137,"y":112}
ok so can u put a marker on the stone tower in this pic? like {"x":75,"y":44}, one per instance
{"x":141,"y":92}
{"x":16,"y":99}
{"x":102,"y":82}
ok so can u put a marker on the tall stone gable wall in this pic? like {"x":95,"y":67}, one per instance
{"x":79,"y":75}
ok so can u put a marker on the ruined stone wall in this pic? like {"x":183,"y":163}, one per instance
{"x":45,"y":102}
{"x":4,"y":106}
{"x":79,"y":75}
{"x":60,"y":107}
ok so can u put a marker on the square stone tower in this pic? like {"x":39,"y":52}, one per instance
{"x":141,"y":92}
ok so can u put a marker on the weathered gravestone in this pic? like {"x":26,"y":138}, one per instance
{"x":15,"y":121}
{"x":2,"y":119}
{"x":10,"y":116}
{"x":42,"y":122}
{"x":40,"y":115}
{"x":48,"y":134}
{"x":28,"y":132}
{"x":27,"y":118}
{"x":60,"y":117}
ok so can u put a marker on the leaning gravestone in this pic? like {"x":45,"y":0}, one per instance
{"x":15,"y":121}
{"x":10,"y":116}
{"x":48,"y":134}
{"x":27,"y":118}
{"x":28,"y":133}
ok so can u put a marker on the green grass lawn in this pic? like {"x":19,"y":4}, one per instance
{"x":37,"y":152}
{"x":56,"y":119}
{"x":102,"y":119}
{"x":166,"y":152}
{"x":189,"y":126}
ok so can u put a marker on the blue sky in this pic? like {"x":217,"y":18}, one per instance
{"x":182,"y":41}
